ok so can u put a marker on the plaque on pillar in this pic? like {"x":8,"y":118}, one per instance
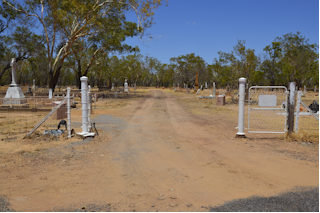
{"x":14,"y":93}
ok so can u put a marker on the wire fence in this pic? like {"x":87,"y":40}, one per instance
{"x":308,"y":123}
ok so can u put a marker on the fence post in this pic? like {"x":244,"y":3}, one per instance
{"x":296,"y":126}
{"x":290,"y":105}
{"x":84,"y":103}
{"x":242,"y":85}
{"x":68,"y":112}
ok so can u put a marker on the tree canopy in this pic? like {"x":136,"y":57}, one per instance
{"x":58,"y":41}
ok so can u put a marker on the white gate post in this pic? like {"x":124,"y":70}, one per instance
{"x":296,"y":127}
{"x":84,"y":103}
{"x":89,"y":108}
{"x":68,"y":112}
{"x":242,"y":85}
{"x":214,"y":89}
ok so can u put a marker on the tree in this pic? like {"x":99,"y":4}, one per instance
{"x":186,"y":68}
{"x":271,"y":66}
{"x":64,"y":22}
{"x":23,"y":44}
{"x":300,"y":59}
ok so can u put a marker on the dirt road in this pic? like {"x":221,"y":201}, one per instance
{"x":155,"y":155}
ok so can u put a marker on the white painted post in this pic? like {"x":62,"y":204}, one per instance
{"x":84,"y":103}
{"x":89,"y":107}
{"x":296,"y":127}
{"x":69,"y":112}
{"x":50,"y":93}
{"x":214,"y":89}
{"x":242,"y":87}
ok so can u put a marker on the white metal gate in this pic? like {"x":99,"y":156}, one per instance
{"x":267,"y":109}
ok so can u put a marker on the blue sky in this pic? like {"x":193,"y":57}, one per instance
{"x":208,"y":26}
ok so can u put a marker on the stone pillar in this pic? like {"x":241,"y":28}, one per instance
{"x":242,"y":90}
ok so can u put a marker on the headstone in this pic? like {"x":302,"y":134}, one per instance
{"x":112,"y":86}
{"x":221,"y":100}
{"x":126,"y":88}
{"x":206,"y":85}
{"x":14,"y":93}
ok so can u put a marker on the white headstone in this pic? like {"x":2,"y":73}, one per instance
{"x":206,"y":85}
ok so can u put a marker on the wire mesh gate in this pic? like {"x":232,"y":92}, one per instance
{"x":267,"y":109}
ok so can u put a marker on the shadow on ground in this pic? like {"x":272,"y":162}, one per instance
{"x":300,"y":200}
{"x":4,"y":205}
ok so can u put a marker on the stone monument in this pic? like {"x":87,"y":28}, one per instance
{"x":14,"y":93}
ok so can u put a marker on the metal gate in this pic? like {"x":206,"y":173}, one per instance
{"x":267,"y":109}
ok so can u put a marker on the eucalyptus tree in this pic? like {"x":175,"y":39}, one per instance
{"x":300,"y":59}
{"x":186,"y":68}
{"x":23,"y":44}
{"x":271,"y":66}
{"x":63,"y":23}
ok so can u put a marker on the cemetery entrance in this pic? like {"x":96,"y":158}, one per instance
{"x":267,"y":109}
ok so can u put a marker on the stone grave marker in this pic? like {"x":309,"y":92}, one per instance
{"x":14,"y":93}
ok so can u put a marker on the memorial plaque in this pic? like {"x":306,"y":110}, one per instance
{"x":267,"y":100}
